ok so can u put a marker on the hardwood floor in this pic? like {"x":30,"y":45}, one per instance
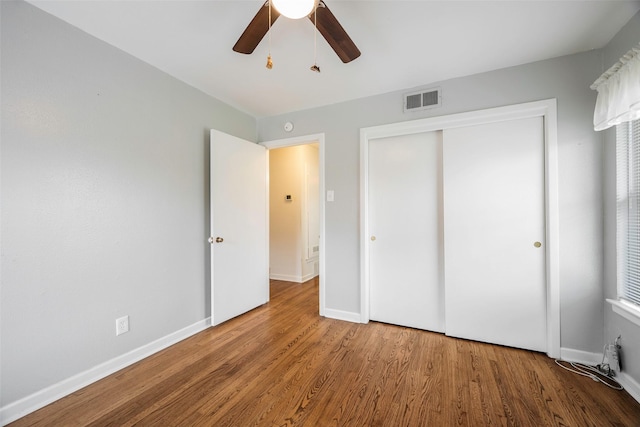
{"x":282,"y":365}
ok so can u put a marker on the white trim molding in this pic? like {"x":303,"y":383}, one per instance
{"x":292,"y":278}
{"x":592,"y":359}
{"x":579,"y":356}
{"x":547,"y":109}
{"x":301,"y":140}
{"x":40,"y":399}
{"x":346,"y":316}
{"x":626,"y":310}
{"x":630,"y":385}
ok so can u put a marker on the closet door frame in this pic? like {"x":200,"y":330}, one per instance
{"x":547,"y":109}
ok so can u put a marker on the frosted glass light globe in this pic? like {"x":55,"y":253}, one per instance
{"x":295,"y":9}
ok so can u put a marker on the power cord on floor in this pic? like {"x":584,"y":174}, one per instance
{"x":592,"y":372}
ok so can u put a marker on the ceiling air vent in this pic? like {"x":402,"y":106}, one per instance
{"x":423,"y":99}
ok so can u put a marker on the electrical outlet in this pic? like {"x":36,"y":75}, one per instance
{"x":122,"y":325}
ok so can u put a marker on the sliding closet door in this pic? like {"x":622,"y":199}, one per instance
{"x":494,"y":233}
{"x":405,"y":242}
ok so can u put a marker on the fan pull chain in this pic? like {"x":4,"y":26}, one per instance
{"x":315,"y":67}
{"x":269,"y":61}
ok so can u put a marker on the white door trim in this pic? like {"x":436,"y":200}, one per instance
{"x":546,"y":109}
{"x":301,"y":140}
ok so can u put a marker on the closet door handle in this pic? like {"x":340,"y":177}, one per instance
{"x":537,"y":244}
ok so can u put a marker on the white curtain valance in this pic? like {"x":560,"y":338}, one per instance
{"x":618,"y":92}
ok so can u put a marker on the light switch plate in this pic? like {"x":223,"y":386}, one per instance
{"x":330,"y":196}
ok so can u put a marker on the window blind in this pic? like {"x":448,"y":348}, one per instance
{"x":628,"y":210}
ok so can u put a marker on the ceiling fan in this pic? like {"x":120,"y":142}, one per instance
{"x":325,"y":21}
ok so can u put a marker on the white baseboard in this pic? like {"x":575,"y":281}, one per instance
{"x":308,"y":277}
{"x":39,"y":399}
{"x":585,"y":357}
{"x":285,"y":277}
{"x":342,"y":315}
{"x":292,"y":278}
{"x":630,"y":385}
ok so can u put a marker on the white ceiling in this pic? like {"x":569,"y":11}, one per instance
{"x":404,"y":44}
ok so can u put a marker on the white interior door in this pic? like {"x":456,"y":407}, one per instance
{"x":405,"y":242}
{"x":239,"y":228}
{"x":494,"y":233}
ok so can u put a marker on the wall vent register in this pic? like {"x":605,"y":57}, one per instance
{"x":422,"y":99}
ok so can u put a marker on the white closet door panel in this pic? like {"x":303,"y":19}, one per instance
{"x":405,"y":245}
{"x":494,"y":215}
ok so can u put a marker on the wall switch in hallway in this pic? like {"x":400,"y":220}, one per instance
{"x":330,"y":196}
{"x":122,"y":325}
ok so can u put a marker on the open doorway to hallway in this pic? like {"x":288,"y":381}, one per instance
{"x":294,"y":213}
{"x":319,"y":140}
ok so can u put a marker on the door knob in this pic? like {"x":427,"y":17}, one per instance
{"x":373,"y":238}
{"x":219,"y":240}
{"x":537,"y":244}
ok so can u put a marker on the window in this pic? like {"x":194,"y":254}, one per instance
{"x":628,"y":210}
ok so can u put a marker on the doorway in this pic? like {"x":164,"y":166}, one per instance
{"x":294,"y":227}
{"x":307,"y":203}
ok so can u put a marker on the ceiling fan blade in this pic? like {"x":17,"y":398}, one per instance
{"x":256,"y":29}
{"x":334,"y":34}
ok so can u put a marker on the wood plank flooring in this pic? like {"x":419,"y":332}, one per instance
{"x":284,"y":365}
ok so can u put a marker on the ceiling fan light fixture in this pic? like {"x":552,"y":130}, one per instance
{"x":295,"y":9}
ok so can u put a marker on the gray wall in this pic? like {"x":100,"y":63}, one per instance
{"x":104,"y":195}
{"x":104,"y":200}
{"x":580,"y":175}
{"x":627,"y":38}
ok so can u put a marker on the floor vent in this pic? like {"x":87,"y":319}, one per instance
{"x":423,"y":99}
